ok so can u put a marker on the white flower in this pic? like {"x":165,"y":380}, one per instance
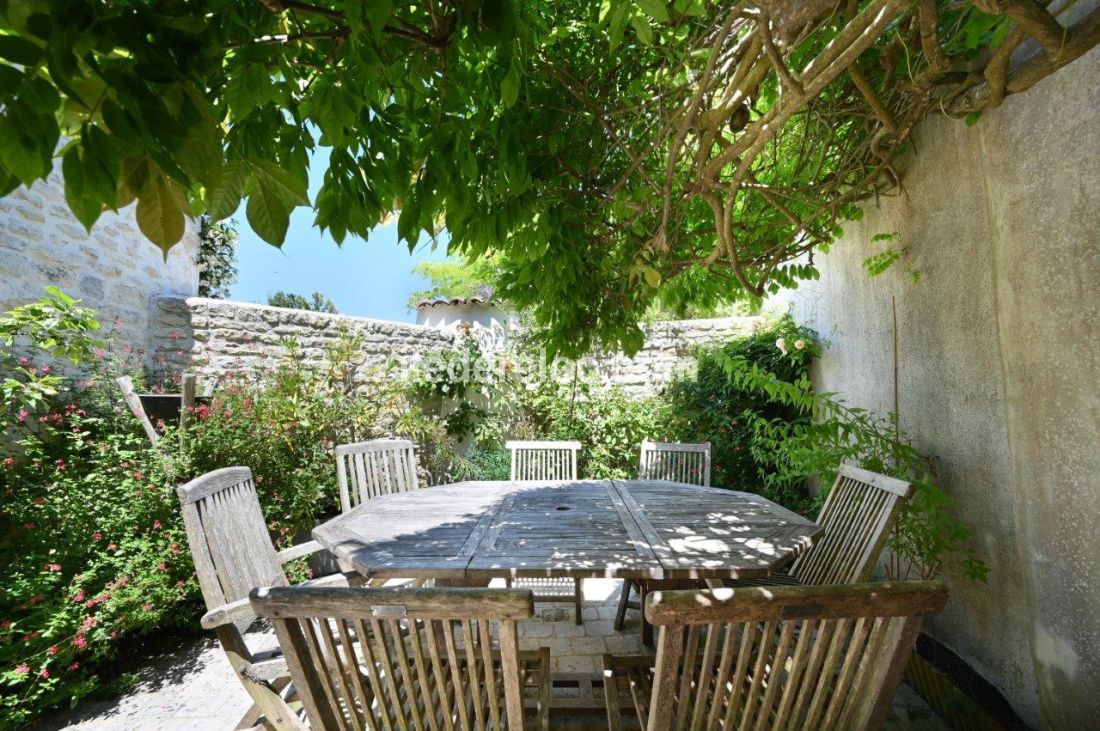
{"x":781,"y":343}
{"x":445,"y":388}
{"x":799,"y":344}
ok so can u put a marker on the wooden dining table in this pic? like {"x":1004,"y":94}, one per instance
{"x":471,"y":532}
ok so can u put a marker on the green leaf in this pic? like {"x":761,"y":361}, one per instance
{"x":269,"y":211}
{"x":281,"y":183}
{"x":19,"y":50}
{"x":972,"y":118}
{"x":161,"y":208}
{"x":224,"y":189}
{"x":641,"y":27}
{"x":509,"y":88}
{"x":378,"y":14}
{"x":86,"y":209}
{"x":654,"y":9}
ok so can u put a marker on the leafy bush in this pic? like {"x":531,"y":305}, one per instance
{"x":485,"y":464}
{"x":93,"y":551}
{"x":285,"y":428}
{"x":609,"y":424}
{"x":711,"y":407}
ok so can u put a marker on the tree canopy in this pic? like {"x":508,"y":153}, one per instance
{"x":606,"y":153}
{"x":459,"y":278}
{"x":316,"y":302}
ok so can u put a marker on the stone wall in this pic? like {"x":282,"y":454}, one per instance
{"x":214,"y":337}
{"x":114,"y":269}
{"x":999,"y":361}
{"x":667,"y":352}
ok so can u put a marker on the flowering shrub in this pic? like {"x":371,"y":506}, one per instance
{"x":92,"y":548}
{"x":285,"y":427}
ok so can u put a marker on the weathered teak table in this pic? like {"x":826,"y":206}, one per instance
{"x":473,"y":531}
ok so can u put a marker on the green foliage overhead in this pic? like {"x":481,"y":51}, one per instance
{"x":601,"y":150}
{"x":316,"y":302}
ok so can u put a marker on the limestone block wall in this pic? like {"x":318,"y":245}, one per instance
{"x":999,"y":361}
{"x":667,"y":352}
{"x":213,"y":337}
{"x":113,"y":269}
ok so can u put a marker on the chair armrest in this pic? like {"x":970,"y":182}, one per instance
{"x":300,"y":551}
{"x":227,"y":613}
{"x":611,"y":694}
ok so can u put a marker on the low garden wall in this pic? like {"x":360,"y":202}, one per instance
{"x":213,"y":337}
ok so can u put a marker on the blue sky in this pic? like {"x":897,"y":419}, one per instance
{"x":368,"y":278}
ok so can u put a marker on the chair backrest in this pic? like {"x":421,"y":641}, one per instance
{"x":823,"y":657}
{"x":400,"y":657}
{"x":367,"y":470}
{"x":858,"y":514}
{"x":228,"y":536}
{"x":677,"y":462}
{"x":544,"y":460}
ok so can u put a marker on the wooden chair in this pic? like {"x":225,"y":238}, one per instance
{"x":408,"y":658}
{"x":549,"y":461}
{"x":370,"y":469}
{"x":858,"y":515}
{"x":827,"y":657}
{"x":233,"y":554}
{"x":689,"y":463}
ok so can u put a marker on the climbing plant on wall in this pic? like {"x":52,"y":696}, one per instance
{"x":606,"y":152}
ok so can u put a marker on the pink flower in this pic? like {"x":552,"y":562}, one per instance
{"x":124,"y":465}
{"x":80,"y":642}
{"x":23,"y":669}
{"x":44,"y":673}
{"x":46,"y":370}
{"x":97,"y":536}
{"x":24,"y":362}
{"x":79,"y":596}
{"x":60,"y":464}
{"x":6,"y":624}
{"x":53,"y":650}
{"x":146,"y":607}
{"x":111,"y":547}
{"x":39,"y":501}
{"x":23,"y":414}
{"x":175,"y":549}
{"x":138,"y":474}
{"x":162,"y":566}
{"x":180,"y":583}
{"x":157,"y":525}
{"x":74,"y":666}
{"x":9,"y":461}
{"x":55,"y":567}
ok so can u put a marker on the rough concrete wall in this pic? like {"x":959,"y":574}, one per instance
{"x":113,"y":269}
{"x":218,"y":336}
{"x":999,"y":357}
{"x":667,"y":352}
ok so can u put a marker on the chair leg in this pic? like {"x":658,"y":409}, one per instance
{"x":611,"y":693}
{"x":647,"y":628}
{"x":577,"y":596}
{"x":624,"y":600}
